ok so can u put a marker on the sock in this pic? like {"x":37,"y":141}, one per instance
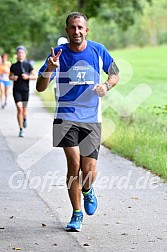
{"x":85,"y":191}
{"x":77,"y":211}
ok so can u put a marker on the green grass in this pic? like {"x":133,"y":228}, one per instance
{"x":48,"y":96}
{"x":140,"y":136}
{"x":141,"y":139}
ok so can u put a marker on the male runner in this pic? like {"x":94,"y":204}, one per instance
{"x":77,"y":66}
{"x":20,"y":73}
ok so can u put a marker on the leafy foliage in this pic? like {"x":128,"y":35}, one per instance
{"x":37,"y":23}
{"x":24,"y":22}
{"x":150,"y":28}
{"x":122,"y":12}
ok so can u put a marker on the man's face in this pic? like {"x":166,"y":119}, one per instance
{"x":77,"y":30}
{"x":21,"y":55}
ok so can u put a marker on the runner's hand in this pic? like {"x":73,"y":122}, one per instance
{"x":25,"y":76}
{"x":101,"y":90}
{"x":53,"y":60}
{"x":15,"y":77}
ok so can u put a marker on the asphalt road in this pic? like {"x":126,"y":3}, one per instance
{"x":34,"y":205}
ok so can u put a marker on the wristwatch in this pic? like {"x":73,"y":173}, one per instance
{"x":108,"y":85}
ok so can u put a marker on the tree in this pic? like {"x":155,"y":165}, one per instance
{"x":122,"y":12}
{"x":24,"y":22}
{"x":37,"y":23}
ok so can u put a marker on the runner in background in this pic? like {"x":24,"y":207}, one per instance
{"x":21,"y":73}
{"x":5,"y":82}
{"x":1,"y":83}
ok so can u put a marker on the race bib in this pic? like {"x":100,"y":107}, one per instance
{"x":81,"y":73}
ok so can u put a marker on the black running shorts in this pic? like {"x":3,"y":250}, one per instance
{"x":85,"y":135}
{"x":22,"y":96}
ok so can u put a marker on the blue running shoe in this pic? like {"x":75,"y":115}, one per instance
{"x":75,"y":224}
{"x":90,"y":202}
{"x":24,"y":123}
{"x":21,"y":133}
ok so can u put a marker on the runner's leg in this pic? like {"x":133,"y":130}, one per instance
{"x":19,"y":106}
{"x":73,"y":183}
{"x":2,"y":94}
{"x":88,"y":168}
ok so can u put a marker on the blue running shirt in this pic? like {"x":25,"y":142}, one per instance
{"x":76,"y":76}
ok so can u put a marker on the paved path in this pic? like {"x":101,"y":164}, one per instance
{"x":34,"y":208}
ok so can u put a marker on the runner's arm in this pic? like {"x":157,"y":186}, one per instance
{"x":44,"y":79}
